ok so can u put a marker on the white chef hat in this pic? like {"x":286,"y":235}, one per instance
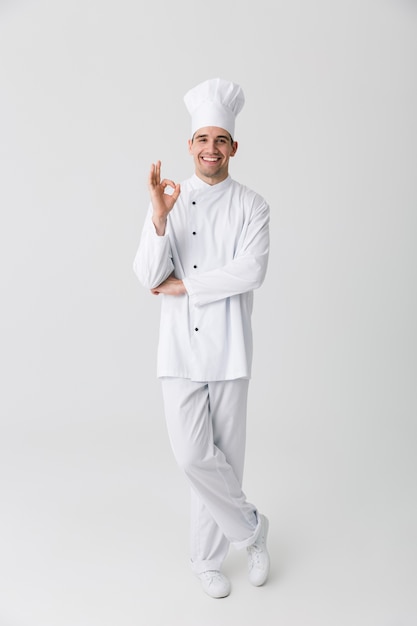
{"x":215,"y":102}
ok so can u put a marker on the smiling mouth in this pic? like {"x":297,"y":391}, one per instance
{"x":210,"y":159}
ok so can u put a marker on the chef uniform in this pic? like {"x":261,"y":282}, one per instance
{"x":217,"y":241}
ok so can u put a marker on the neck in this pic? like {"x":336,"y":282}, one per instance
{"x":211,"y":180}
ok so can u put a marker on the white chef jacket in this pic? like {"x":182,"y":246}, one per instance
{"x":217,"y":242}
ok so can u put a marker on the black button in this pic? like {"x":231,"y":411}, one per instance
{"x":195,"y":328}
{"x":193,"y":202}
{"x":194,"y":233}
{"x":195,"y":267}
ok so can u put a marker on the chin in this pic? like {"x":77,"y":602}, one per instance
{"x":210,"y":172}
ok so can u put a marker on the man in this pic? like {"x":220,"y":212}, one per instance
{"x":204,"y":248}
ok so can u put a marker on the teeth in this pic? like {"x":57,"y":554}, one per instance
{"x":209,"y":159}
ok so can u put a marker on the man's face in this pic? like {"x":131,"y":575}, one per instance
{"x":211,"y":148}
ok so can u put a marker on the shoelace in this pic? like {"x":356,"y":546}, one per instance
{"x":212,"y":577}
{"x":255,"y":553}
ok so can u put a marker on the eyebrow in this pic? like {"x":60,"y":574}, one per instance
{"x":217,"y":137}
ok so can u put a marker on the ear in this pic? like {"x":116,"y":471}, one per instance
{"x":235,"y":146}
{"x":190,"y":145}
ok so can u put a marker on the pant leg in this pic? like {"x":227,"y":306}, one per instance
{"x":228,"y":409}
{"x":200,"y":416}
{"x":208,"y":545}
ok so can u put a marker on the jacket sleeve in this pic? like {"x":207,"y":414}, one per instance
{"x":244,"y":273}
{"x":153,"y":260}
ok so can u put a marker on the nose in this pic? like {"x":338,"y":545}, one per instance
{"x":211,"y":145}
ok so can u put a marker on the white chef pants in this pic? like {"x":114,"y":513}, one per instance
{"x":207,"y":429}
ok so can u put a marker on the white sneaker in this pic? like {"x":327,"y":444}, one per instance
{"x":258,"y":557}
{"x":215,"y":584}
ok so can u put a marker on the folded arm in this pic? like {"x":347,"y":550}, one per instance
{"x":244,"y":273}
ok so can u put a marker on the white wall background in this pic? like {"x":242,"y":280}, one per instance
{"x":90,"y":94}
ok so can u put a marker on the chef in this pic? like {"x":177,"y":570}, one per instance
{"x":204,"y":249}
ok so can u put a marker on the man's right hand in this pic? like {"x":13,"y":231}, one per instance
{"x":162,"y":202}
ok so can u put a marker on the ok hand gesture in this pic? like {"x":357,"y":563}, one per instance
{"x":162,"y":202}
